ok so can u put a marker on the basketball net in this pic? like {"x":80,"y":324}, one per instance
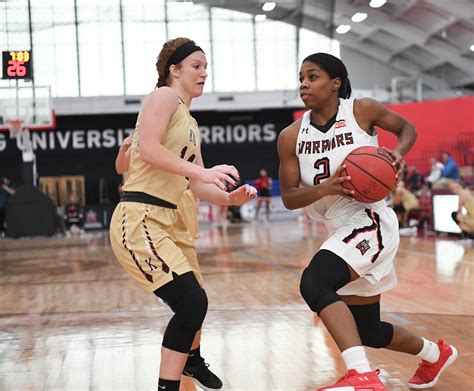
{"x":15,"y":126}
{"x":22,"y":135}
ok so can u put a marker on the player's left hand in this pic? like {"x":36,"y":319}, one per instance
{"x":127,"y":142}
{"x":242,"y":195}
{"x":398,"y":162}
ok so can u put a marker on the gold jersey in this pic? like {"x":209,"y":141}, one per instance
{"x":183,"y":139}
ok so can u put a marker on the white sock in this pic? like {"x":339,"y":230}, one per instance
{"x":430,"y":351}
{"x":355,"y":358}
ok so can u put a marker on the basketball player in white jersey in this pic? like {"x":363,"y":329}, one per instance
{"x":147,"y":235}
{"x":344,"y":280}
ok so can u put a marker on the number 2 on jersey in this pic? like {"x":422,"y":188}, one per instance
{"x":322,"y":166}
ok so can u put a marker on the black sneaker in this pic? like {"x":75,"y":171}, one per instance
{"x":203,"y":376}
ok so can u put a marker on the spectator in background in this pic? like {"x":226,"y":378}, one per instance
{"x":234,"y":215}
{"x":263,"y":185}
{"x":450,"y":172}
{"x":451,"y":169}
{"x":403,"y":202}
{"x":5,"y":192}
{"x":222,"y":211}
{"x":466,"y":202}
{"x":414,"y":180}
{"x":73,"y":213}
{"x":436,"y":171}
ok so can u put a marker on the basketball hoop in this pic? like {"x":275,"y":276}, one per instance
{"x":15,"y":126}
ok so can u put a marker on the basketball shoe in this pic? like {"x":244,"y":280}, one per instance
{"x":355,"y":381}
{"x":202,"y":375}
{"x":427,"y":374}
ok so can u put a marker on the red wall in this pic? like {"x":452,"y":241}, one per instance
{"x":442,"y":125}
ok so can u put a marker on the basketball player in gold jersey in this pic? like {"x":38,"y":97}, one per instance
{"x":187,"y":214}
{"x":148,"y":236}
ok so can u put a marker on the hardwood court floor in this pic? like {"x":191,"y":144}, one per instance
{"x":71,"y":319}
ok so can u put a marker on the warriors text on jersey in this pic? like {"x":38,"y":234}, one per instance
{"x":321,"y":153}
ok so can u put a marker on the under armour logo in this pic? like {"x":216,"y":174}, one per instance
{"x":305,"y":130}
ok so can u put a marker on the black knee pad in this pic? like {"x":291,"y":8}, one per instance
{"x":189,"y":303}
{"x":372,"y":331}
{"x":325,"y":274}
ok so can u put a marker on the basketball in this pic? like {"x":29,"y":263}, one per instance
{"x":372,"y":174}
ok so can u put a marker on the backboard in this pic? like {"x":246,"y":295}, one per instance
{"x":30,"y":104}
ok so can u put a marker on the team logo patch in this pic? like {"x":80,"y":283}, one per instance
{"x":363,"y":246}
{"x":192,"y":137}
{"x":341,"y":123}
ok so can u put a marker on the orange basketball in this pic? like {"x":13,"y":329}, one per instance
{"x":372,"y":174}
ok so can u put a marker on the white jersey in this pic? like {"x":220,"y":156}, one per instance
{"x":363,"y":235}
{"x":320,"y":154}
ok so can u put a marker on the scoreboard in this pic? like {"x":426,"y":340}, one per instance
{"x":17,"y":64}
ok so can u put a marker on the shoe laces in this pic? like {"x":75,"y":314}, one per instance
{"x":352,"y":372}
{"x":202,"y":366}
{"x":423,"y":368}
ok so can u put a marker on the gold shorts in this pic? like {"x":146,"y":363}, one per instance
{"x":151,"y":242}
{"x":188,"y":219}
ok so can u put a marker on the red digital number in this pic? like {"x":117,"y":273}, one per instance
{"x":16,"y":68}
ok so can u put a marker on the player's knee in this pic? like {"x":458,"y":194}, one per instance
{"x":373,"y":332}
{"x":378,"y":337}
{"x":325,"y":274}
{"x":187,"y":300}
{"x":194,"y":309}
{"x":312,"y":290}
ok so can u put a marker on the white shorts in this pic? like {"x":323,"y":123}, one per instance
{"x":368,"y":241}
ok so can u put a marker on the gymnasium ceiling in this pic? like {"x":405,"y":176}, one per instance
{"x":421,"y":38}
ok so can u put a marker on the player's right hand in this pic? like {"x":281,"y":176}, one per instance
{"x":333,"y":186}
{"x":218,"y":175}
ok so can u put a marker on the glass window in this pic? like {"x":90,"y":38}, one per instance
{"x":144,"y":34}
{"x":276,"y":53}
{"x":14,"y":33}
{"x":243,"y":55}
{"x":311,"y":42}
{"x":100,"y":49}
{"x":233,"y":44}
{"x":54,"y":41}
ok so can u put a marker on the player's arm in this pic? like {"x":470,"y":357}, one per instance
{"x":462,"y":200}
{"x":292,"y":194}
{"x":8,"y":189}
{"x":122,"y":161}
{"x":216,"y":195}
{"x":370,"y":113}
{"x":157,"y":111}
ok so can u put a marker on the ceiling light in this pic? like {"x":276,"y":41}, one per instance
{"x":260,"y":17}
{"x":359,"y":17}
{"x":377,"y":3}
{"x":343,"y":28}
{"x":268,"y":6}
{"x":472,"y":48}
